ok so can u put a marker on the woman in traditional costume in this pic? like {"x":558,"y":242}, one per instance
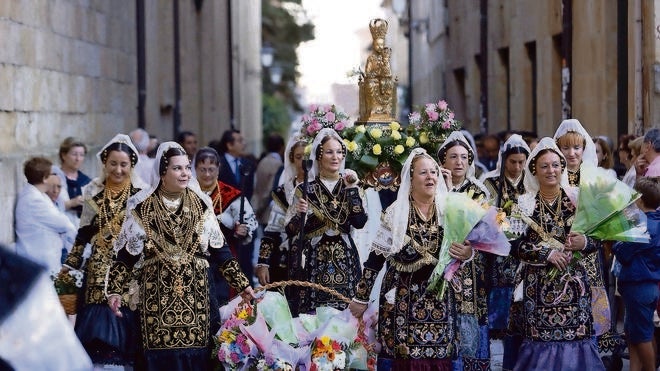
{"x":272,"y":265}
{"x":107,"y":338}
{"x":416,"y":329}
{"x":505,"y":184}
{"x":238,"y":229}
{"x":578,"y":148}
{"x":457,"y":156}
{"x":172,"y":230}
{"x":331,"y":209}
{"x":555,"y":291}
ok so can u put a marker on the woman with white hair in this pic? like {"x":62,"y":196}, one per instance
{"x":331,"y":209}
{"x":555,"y":288}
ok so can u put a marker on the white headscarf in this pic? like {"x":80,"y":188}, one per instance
{"x":390,"y":241}
{"x":589,"y":154}
{"x":469,"y":174}
{"x":97,"y":184}
{"x":325,"y":132}
{"x":514,"y":141}
{"x":290,"y":171}
{"x":132,"y":235}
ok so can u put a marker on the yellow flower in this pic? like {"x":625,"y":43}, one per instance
{"x":325,"y":340}
{"x":377,"y":150}
{"x":398,"y":149}
{"x":227,"y":336}
{"x":395,"y":135}
{"x":395,"y":125}
{"x":410,"y":141}
{"x":423,"y":137}
{"x":308,"y":149}
{"x":351,"y":146}
{"x":243,"y":314}
{"x":376,"y":133}
{"x":360,"y":129}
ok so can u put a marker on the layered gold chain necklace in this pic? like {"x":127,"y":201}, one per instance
{"x":110,"y":213}
{"x":551,"y":220}
{"x":338,"y":203}
{"x":180,"y":224}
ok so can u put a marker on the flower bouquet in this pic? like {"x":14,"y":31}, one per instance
{"x":432,"y":125}
{"x":233,"y":348}
{"x":369,"y":146}
{"x":606,"y":208}
{"x":466,"y":219}
{"x":67,"y":286}
{"x":323,"y":116}
{"x":270,"y":339}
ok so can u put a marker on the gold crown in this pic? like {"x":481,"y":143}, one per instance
{"x":378,"y":28}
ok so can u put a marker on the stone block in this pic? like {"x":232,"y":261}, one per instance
{"x":7,"y":131}
{"x":7,"y":72}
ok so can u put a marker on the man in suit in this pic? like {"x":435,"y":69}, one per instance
{"x":237,"y":169}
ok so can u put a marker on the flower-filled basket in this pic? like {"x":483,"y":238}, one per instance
{"x":67,"y":286}
{"x":264,"y":336}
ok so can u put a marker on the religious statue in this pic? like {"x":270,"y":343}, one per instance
{"x":377,"y":85}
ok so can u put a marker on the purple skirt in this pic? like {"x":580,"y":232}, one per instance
{"x":578,"y":355}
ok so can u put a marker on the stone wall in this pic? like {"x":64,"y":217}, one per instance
{"x":67,"y":68}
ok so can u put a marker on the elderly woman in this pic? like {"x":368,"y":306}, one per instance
{"x":40,"y":226}
{"x":457,"y":157}
{"x":237,"y":229}
{"x":555,"y":291}
{"x":330,"y":210}
{"x":505,"y":184}
{"x":273,"y":264}
{"x":172,"y":229}
{"x":107,"y":339}
{"x":72,"y":155}
{"x":578,"y":148}
{"x":416,"y":329}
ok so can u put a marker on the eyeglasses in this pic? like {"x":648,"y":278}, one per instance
{"x":208,"y":170}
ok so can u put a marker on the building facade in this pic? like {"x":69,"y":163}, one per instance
{"x":70,"y":68}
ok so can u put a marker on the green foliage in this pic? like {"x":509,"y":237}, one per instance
{"x":275,"y":116}
{"x":284,"y":25}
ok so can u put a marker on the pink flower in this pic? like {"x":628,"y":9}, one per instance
{"x":430,"y":107}
{"x":234,"y":358}
{"x":310,"y":129}
{"x":330,"y":116}
{"x":415,"y":117}
{"x":446,"y":125}
{"x":451,"y":116}
{"x":442,"y":105}
{"x":327,"y":107}
{"x":340,"y":126}
{"x":433,"y":115}
{"x":313,"y":107}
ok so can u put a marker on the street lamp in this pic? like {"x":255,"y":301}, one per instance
{"x":267,"y":55}
{"x":276,"y":72}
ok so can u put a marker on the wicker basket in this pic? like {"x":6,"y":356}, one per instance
{"x":69,"y":303}
{"x":310,"y":285}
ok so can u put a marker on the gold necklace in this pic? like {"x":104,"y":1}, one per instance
{"x":551,"y":220}
{"x":110,"y":215}
{"x":337,"y":200}
{"x":423,"y":233}
{"x":574,"y":177}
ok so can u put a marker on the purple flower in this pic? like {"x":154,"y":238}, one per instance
{"x":415,"y":117}
{"x":234,"y":358}
{"x":451,"y":116}
{"x":430,"y":107}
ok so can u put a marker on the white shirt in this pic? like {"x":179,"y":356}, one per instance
{"x":40,"y":228}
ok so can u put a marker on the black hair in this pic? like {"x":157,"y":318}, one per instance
{"x":183,"y":135}
{"x":442,"y":152}
{"x":207,"y":153}
{"x":119,"y":147}
{"x":319,"y":148}
{"x":165,"y":159}
{"x":227,"y":137}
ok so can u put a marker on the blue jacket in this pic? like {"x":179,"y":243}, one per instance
{"x":640,"y":262}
